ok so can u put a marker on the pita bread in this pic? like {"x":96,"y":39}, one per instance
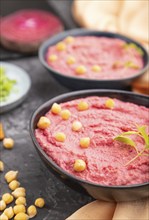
{"x":100,"y":15}
{"x":134,"y":19}
{"x":123,"y":16}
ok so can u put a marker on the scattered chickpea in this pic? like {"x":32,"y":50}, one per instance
{"x":8,"y":143}
{"x":60,"y":46}
{"x":43,"y":122}
{"x":14,"y":184}
{"x":109,"y":103}
{"x":52,"y":58}
{"x":7,"y":198}
{"x":96,"y":68}
{"x":76,"y":126}
{"x":3,"y":217}
{"x":1,"y":166}
{"x":79,"y":165}
{"x":85,"y":142}
{"x":60,"y":136}
{"x":2,"y":205}
{"x":2,"y":134}
{"x":31,"y":211}
{"x":69,"y":39}
{"x":70,"y":60}
{"x":9,"y":212}
{"x":56,"y":109}
{"x":19,"y":192}
{"x":11,"y":175}
{"x":81,"y":70}
{"x":19,"y":208}
{"x":82,"y":106}
{"x":20,"y":200}
{"x":39,"y":202}
{"x":21,"y":216}
{"x":65,"y":114}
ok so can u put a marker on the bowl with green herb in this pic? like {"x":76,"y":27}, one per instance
{"x":97,"y":139}
{"x":14,"y":86}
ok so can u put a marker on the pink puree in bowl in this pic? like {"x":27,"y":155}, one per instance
{"x":111,"y":55}
{"x":105,"y":158}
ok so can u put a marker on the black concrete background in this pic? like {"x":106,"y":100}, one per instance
{"x":61,"y":201}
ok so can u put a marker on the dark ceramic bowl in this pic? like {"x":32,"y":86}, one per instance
{"x":107,"y":193}
{"x":82,"y":83}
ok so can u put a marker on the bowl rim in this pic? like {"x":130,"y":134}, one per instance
{"x":84,"y":32}
{"x":58,"y":99}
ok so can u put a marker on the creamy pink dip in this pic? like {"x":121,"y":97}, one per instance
{"x":115,"y":59}
{"x":105,"y":158}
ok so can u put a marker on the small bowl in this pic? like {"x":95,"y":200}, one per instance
{"x":97,"y":191}
{"x":82,"y":83}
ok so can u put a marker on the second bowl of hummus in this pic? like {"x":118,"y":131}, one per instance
{"x":82,"y":59}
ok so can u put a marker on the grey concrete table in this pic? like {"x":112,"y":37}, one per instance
{"x":61,"y":201}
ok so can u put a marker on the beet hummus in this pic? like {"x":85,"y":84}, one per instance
{"x":95,"y":58}
{"x":84,"y":129}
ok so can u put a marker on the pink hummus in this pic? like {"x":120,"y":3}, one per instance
{"x":105,"y":158}
{"x":115,"y":58}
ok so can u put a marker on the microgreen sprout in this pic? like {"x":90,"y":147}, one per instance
{"x":141,"y":131}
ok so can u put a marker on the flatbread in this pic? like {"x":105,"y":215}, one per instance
{"x":96,"y":210}
{"x":123,"y":16}
{"x":100,"y":15}
{"x":134,"y":19}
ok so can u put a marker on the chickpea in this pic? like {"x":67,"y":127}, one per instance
{"x":69,"y":39}
{"x":61,"y":46}
{"x":8,"y":143}
{"x":60,"y":136}
{"x":52,"y":58}
{"x":20,"y":200}
{"x":43,"y":122}
{"x":14,"y":184}
{"x":96,"y":68}
{"x":65,"y":114}
{"x":19,"y":208}
{"x":79,"y":165}
{"x":19,"y":192}
{"x":11,"y":175}
{"x":39,"y":202}
{"x":31,"y":211}
{"x":70,"y":60}
{"x":2,"y":133}
{"x":81,"y":70}
{"x":2,"y":205}
{"x":56,"y":109}
{"x":85,"y":142}
{"x":9,"y":212}
{"x":82,"y":106}
{"x":7,"y":198}
{"x":3,"y":217}
{"x":21,"y":216}
{"x":1,"y":166}
{"x":110,"y":103}
{"x":76,"y":126}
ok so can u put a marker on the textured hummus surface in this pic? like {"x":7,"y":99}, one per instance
{"x":105,"y":157}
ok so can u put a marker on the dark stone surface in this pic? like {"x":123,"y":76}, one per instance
{"x":61,"y":201}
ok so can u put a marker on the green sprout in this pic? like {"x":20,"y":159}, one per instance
{"x":141,"y":131}
{"x":6,"y":85}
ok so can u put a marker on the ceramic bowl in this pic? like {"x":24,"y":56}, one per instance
{"x":97,"y":191}
{"x":83,"y":83}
